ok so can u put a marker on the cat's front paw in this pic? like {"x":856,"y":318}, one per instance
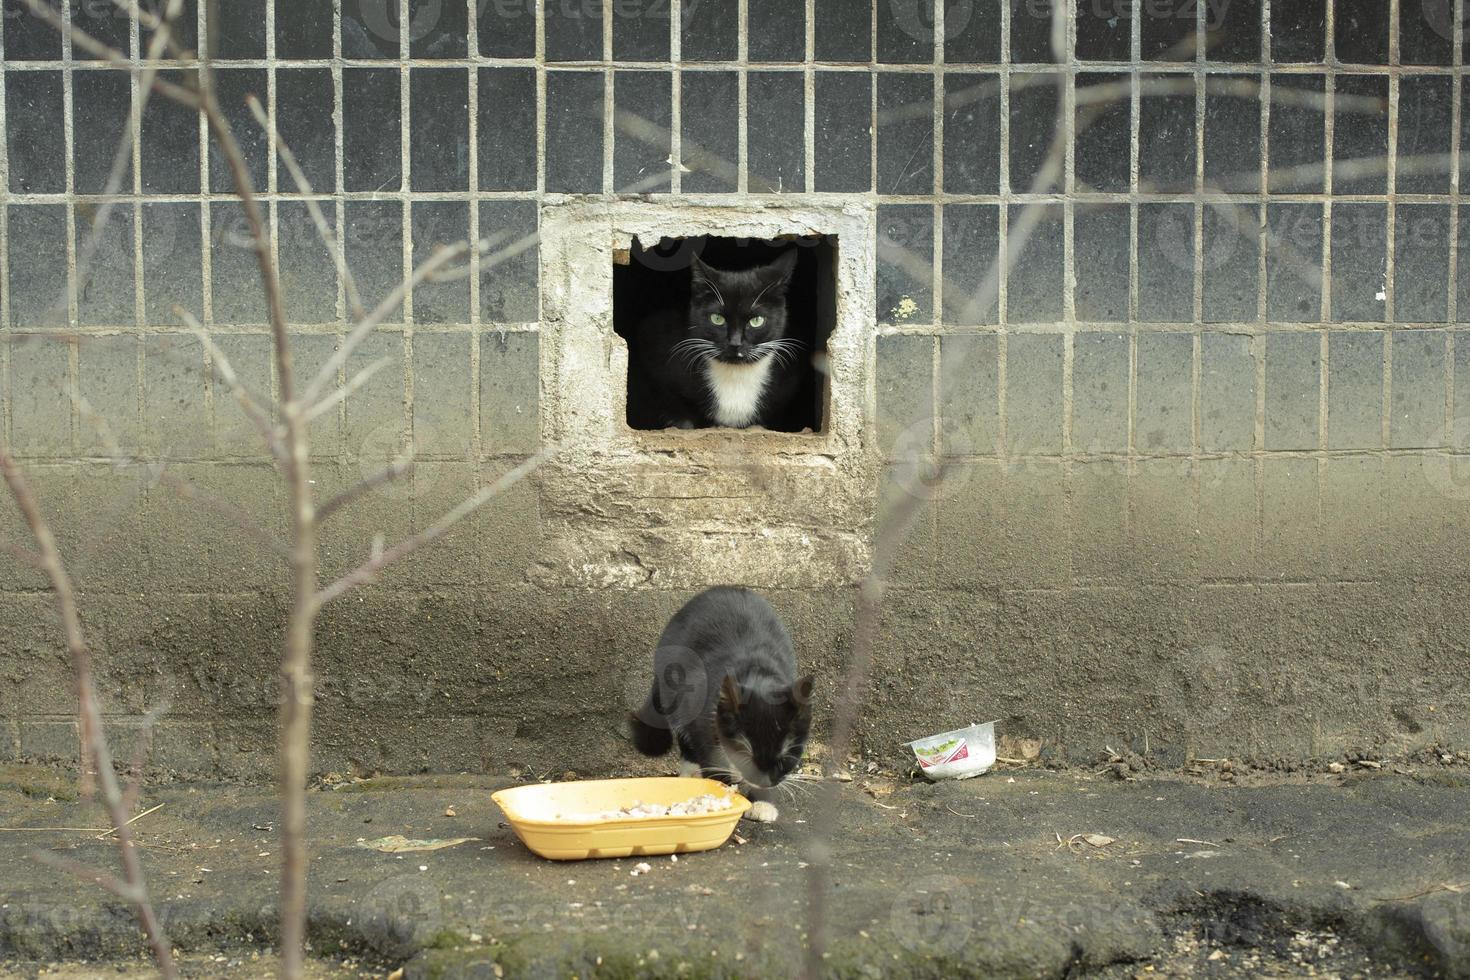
{"x":762,"y":812}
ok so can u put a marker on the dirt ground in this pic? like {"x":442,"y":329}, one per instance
{"x":1027,"y":873}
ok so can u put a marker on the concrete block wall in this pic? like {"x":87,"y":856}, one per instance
{"x":1207,"y":443}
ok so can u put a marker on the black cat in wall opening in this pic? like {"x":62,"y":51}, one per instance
{"x":725,"y":691}
{"x":726,"y":359}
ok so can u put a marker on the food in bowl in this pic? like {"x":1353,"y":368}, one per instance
{"x":622,"y":817}
{"x":698,"y":806}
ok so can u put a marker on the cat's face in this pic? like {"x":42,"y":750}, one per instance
{"x":764,"y":730}
{"x":740,"y":316}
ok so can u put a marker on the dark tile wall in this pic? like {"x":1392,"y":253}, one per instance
{"x":1221,"y":167}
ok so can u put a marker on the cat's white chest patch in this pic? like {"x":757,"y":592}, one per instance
{"x":737,"y":389}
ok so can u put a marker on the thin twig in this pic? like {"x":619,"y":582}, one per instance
{"x":112,"y":830}
{"x":260,"y":242}
{"x":160,"y":473}
{"x":248,"y":404}
{"x":323,"y":227}
{"x":396,"y":470}
{"x":893,"y":531}
{"x":108,"y":882}
{"x":391,"y":302}
{"x":122,"y":157}
{"x":112,"y":56}
{"x":56,"y":830}
{"x":369,"y":570}
{"x":342,"y":394}
{"x":96,"y":750}
{"x":1444,"y":886}
{"x":296,"y":700}
{"x":489,"y":261}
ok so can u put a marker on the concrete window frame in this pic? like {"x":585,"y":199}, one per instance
{"x":584,"y":363}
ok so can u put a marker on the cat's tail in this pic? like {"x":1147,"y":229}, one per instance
{"x":650,"y":728}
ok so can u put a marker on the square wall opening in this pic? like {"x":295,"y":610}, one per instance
{"x":727,"y":332}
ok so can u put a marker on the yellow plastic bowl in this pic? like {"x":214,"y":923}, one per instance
{"x":545,"y":817}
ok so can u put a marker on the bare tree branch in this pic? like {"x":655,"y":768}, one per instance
{"x":297,"y":681}
{"x":260,"y":242}
{"x":123,"y":156}
{"x":369,"y":570}
{"x":341,"y":394}
{"x":111,"y":55}
{"x":397,"y":470}
{"x":894,"y":529}
{"x":490,"y":261}
{"x":252,"y":408}
{"x":1109,"y":92}
{"x":289,"y":444}
{"x":96,"y":750}
{"x":160,"y":473}
{"x":323,"y":227}
{"x":391,"y":302}
{"x":106,"y":881}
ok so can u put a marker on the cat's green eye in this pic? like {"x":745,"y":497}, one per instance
{"x":757,"y":321}
{"x":717,"y":319}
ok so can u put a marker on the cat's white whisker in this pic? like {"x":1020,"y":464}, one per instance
{"x":696,"y":277}
{"x":783,"y":350}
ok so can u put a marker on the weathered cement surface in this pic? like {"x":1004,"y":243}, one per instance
{"x":485,"y":680}
{"x":1128,"y":585}
{"x":1212,"y":503}
{"x":959,"y":879}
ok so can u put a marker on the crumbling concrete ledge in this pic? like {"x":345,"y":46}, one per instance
{"x":989,"y":877}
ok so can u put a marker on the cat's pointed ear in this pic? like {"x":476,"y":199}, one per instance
{"x":801,"y":691}
{"x":701,"y":276}
{"x":784,"y":266}
{"x":729,"y":696}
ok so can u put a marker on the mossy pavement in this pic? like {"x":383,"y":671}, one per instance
{"x":1352,"y":874}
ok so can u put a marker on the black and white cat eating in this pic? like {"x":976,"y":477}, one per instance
{"x":725,"y":691}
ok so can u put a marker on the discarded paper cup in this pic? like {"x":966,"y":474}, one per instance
{"x":959,"y":754}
